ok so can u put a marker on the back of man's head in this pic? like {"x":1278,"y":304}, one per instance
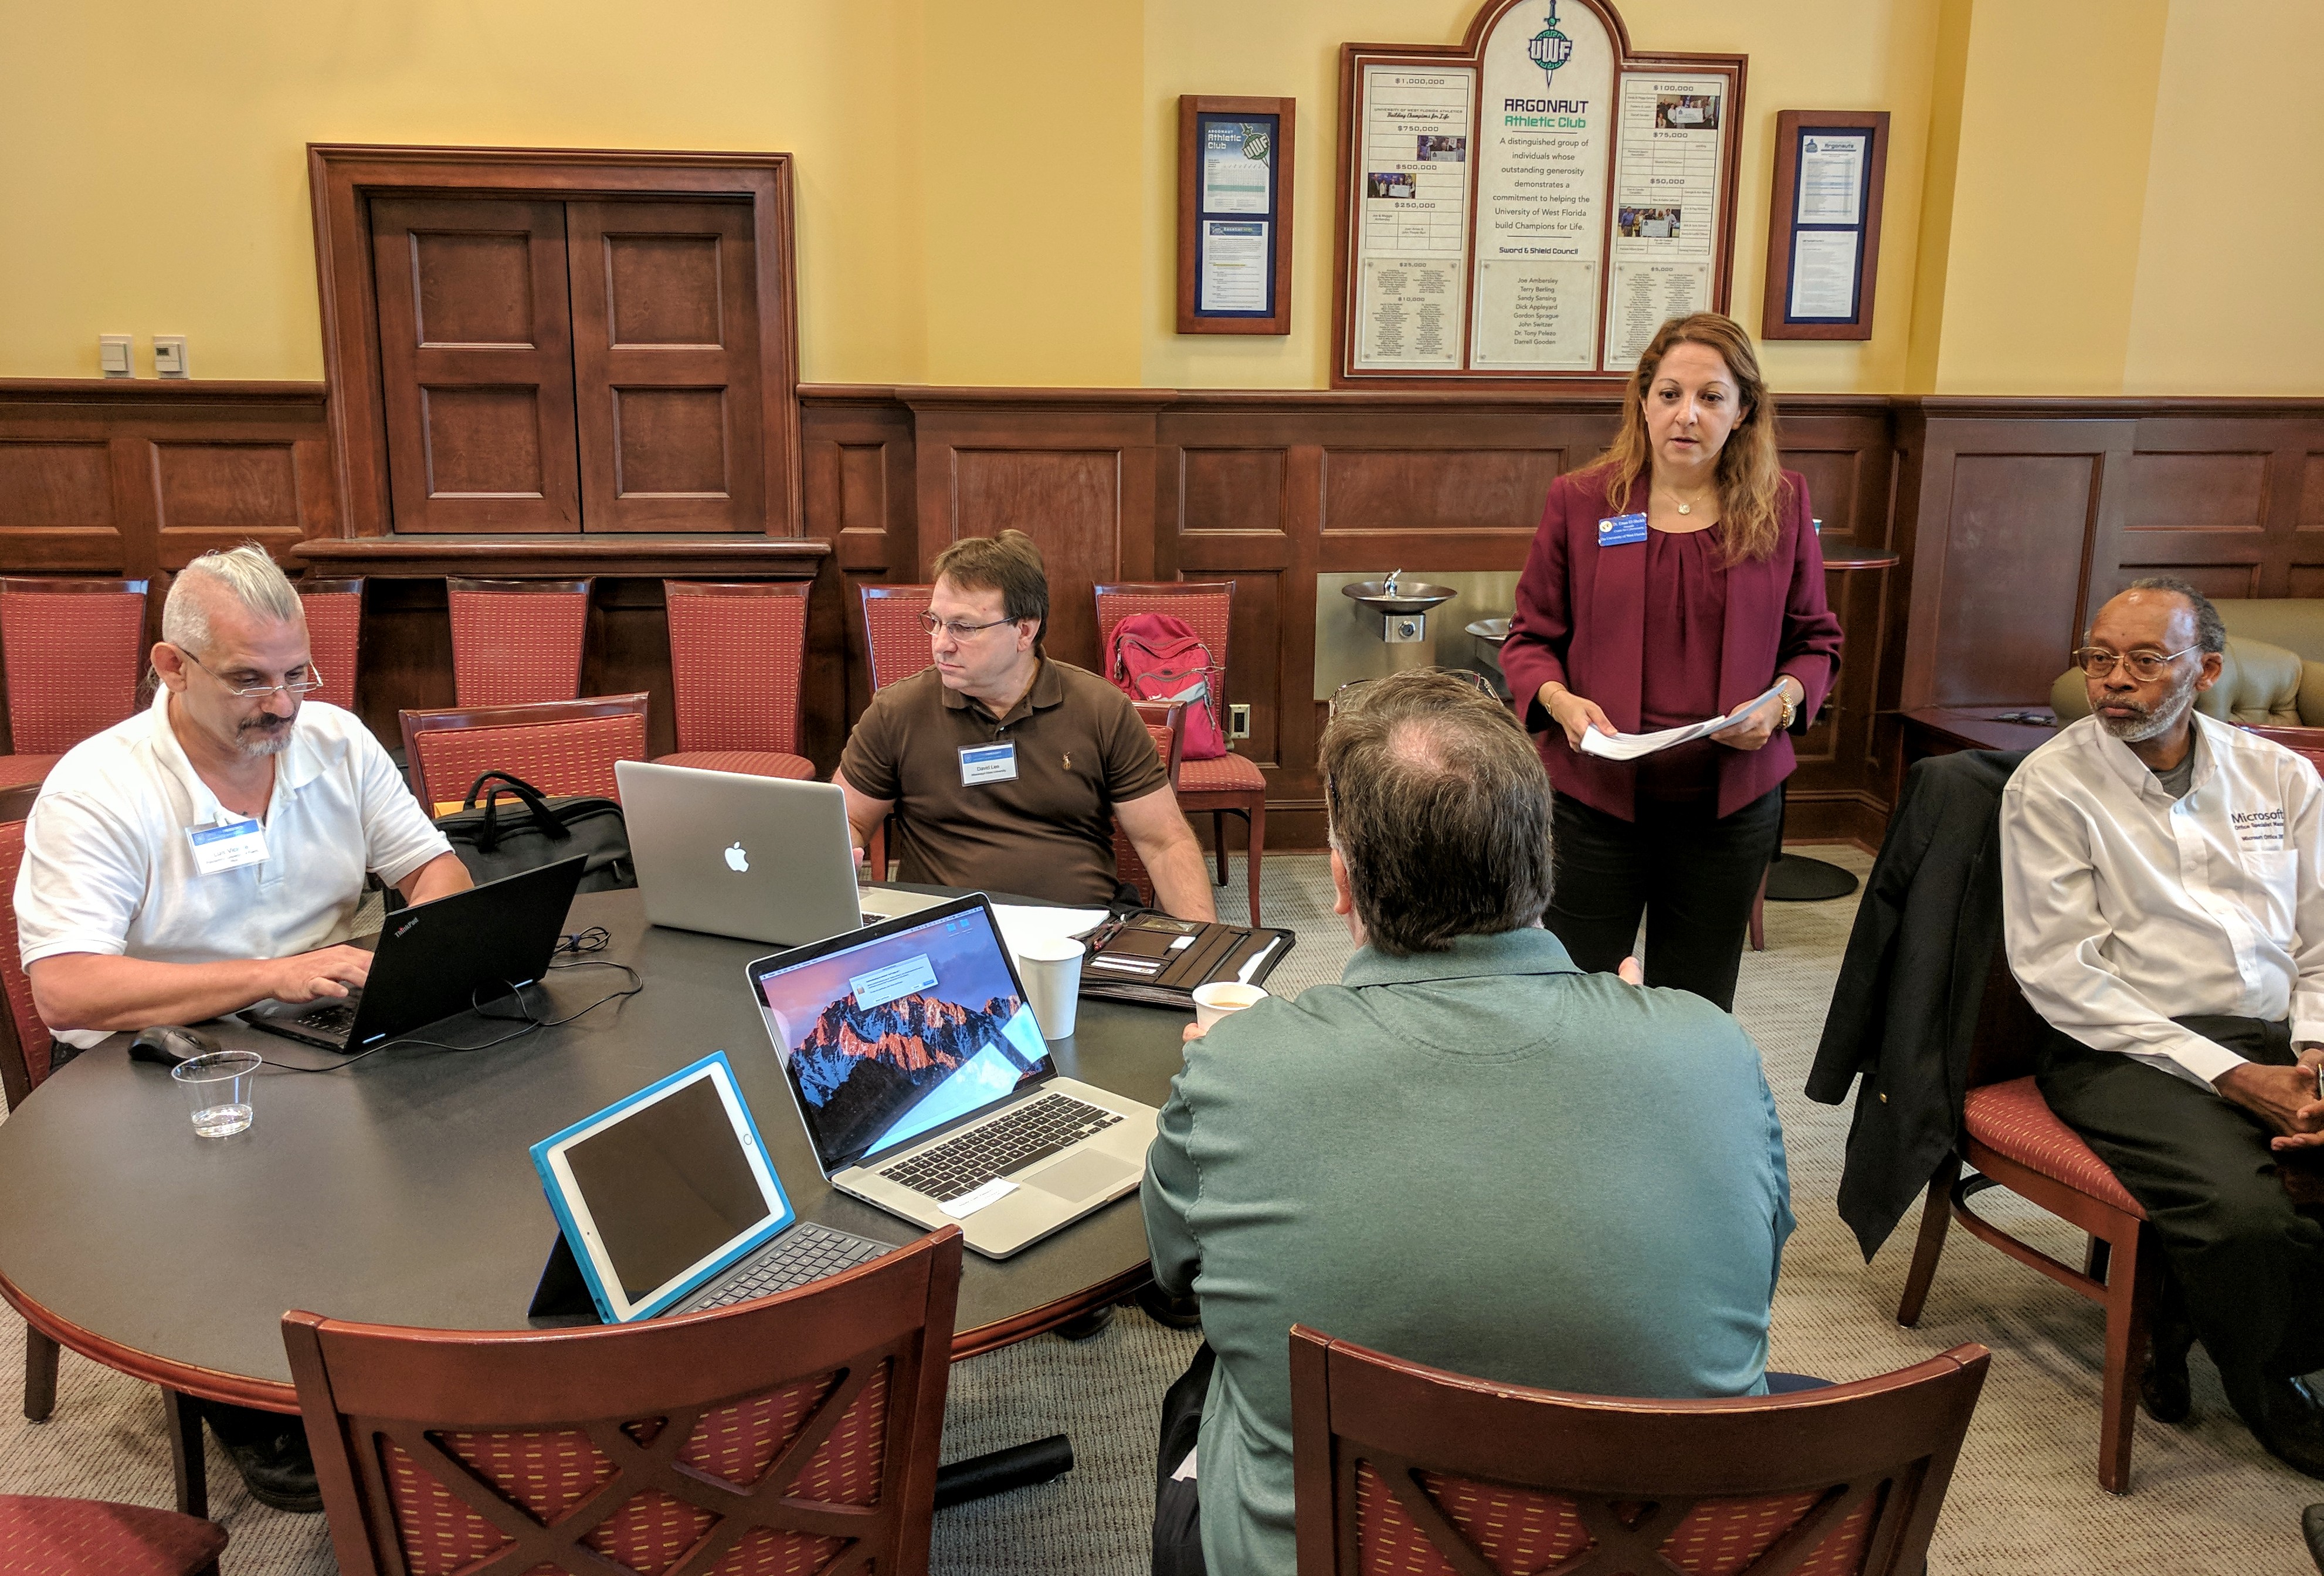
{"x":215,"y":584}
{"x":1440,"y":812}
{"x":1010,"y":564}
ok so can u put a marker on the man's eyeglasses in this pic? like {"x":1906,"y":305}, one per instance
{"x":957,"y":629}
{"x":2146,"y":667}
{"x":297,"y":688}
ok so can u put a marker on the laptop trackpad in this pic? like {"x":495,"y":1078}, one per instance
{"x":1083,"y":1175}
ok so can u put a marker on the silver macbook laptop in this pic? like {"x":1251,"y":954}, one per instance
{"x":926,"y":1089}
{"x":762,"y":858}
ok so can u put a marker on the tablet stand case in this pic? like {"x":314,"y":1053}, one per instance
{"x":1163,"y":961}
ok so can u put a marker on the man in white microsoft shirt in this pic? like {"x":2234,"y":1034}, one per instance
{"x":2165,"y":911}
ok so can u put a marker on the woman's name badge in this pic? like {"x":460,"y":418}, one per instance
{"x":228,"y":847}
{"x":1621,"y":530}
{"x":983,"y":763}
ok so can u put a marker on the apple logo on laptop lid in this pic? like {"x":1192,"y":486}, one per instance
{"x":736,"y":859}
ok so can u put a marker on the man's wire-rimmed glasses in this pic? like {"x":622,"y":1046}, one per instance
{"x":1353,"y":689}
{"x":296,"y":688}
{"x":957,"y":629}
{"x":2145,"y":667}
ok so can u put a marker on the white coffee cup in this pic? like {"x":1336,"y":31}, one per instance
{"x":1052,"y":970}
{"x":1215,"y":1000}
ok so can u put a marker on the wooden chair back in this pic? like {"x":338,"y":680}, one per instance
{"x":791,"y":1432}
{"x":736,"y":650}
{"x":1165,"y":723}
{"x":896,"y":644}
{"x":1400,"y":1466}
{"x":24,"y":1041}
{"x":334,"y":610}
{"x":72,"y":651}
{"x":517,"y":641}
{"x":560,"y":747}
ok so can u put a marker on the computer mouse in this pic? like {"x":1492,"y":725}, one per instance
{"x":169,"y":1044}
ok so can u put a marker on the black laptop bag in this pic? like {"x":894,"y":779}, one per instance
{"x":493,"y":843}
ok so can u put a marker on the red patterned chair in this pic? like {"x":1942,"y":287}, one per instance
{"x":41,"y":1536}
{"x":334,"y":610}
{"x":1167,"y":723}
{"x":2010,"y":1138}
{"x":560,"y":747}
{"x":24,"y":1049}
{"x":1232,"y":785}
{"x":896,"y":644}
{"x":1408,"y":1468}
{"x":796,"y":1432}
{"x":72,"y":651}
{"x":736,"y":653}
{"x":516,"y":641}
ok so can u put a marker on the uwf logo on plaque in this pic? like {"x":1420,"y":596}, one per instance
{"x":1550,"y":49}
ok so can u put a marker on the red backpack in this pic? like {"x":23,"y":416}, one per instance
{"x":1156,"y":657}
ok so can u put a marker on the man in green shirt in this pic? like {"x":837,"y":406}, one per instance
{"x":1467,"y":1153}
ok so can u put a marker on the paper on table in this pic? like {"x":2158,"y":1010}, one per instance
{"x":1631,"y":746}
{"x":1021,"y":925}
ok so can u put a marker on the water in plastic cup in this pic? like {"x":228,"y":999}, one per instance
{"x":218,"y":1084}
{"x":1052,"y":972}
{"x":1214,"y":1001}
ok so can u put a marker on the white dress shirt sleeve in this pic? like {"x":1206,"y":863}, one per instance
{"x":2304,"y":835}
{"x":83,"y":878}
{"x":398,"y":837}
{"x":2055,"y":934}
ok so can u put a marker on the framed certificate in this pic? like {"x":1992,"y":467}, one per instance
{"x":1823,"y":224}
{"x":1234,"y":215}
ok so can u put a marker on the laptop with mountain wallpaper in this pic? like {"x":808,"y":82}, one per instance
{"x":926,"y":1087}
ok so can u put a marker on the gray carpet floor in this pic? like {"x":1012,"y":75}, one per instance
{"x":2026,"y":1500}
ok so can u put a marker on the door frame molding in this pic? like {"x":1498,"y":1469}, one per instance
{"x":342,"y":177}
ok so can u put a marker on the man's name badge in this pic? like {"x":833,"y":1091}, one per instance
{"x":1621,"y":530}
{"x":228,"y":847}
{"x":983,"y":764}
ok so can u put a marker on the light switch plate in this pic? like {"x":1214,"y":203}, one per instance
{"x":170,"y":356}
{"x":1238,"y":720}
{"x":113,"y":355}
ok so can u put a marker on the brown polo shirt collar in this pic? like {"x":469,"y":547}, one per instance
{"x":1049,"y":689}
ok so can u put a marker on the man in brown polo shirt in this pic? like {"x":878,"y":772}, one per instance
{"x":1009,"y":768}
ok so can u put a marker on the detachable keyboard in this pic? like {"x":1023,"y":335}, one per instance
{"x":1009,"y":1143}
{"x":807,"y":1252}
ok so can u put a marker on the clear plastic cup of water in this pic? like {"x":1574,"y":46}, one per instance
{"x":218,"y":1084}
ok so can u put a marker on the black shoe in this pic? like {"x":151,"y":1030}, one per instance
{"x":1087,"y":1326}
{"x":1173,"y":1313}
{"x":2163,"y":1386}
{"x":274,"y":1462}
{"x":2284,"y":1417}
{"x":2311,"y":1527}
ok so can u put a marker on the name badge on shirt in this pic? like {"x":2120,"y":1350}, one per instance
{"x":1621,"y":530}
{"x":228,"y":847}
{"x":983,"y":764}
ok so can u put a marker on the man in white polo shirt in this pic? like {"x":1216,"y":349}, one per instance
{"x":210,"y":854}
{"x":2163,"y":908}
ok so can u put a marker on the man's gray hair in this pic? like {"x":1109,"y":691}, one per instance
{"x":247,"y":573}
{"x":2210,"y":631}
{"x":1440,"y":810}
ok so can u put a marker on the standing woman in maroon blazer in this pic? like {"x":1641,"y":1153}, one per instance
{"x":1674,"y":579}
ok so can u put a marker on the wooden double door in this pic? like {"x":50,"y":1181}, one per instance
{"x":565,"y":365}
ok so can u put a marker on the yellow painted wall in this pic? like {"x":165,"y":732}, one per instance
{"x":2141,"y":219}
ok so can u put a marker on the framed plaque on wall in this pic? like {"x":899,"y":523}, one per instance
{"x":1823,"y":224}
{"x":1234,"y":215}
{"x":1530,"y":203}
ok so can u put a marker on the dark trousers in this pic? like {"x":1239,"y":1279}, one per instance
{"x":2248,"y":1261}
{"x":1691,"y":874}
{"x":1177,"y":1506}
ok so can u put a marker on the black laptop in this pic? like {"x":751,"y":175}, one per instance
{"x":438,"y":960}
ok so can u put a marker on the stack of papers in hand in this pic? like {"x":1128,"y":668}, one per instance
{"x":1631,"y":746}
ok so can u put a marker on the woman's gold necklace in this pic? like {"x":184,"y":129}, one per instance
{"x":1684,"y":506}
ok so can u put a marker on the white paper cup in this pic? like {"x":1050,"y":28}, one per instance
{"x":1215,"y":1000}
{"x":1052,"y":972}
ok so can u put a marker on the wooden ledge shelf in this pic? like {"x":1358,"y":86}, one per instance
{"x":642,"y":557}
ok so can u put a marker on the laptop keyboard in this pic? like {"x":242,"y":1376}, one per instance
{"x":804,"y":1253}
{"x":338,"y":1018}
{"x":1011,"y":1143}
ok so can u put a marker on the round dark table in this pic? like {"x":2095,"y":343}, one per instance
{"x":399,"y":1190}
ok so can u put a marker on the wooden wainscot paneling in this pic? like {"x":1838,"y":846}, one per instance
{"x":862,"y":500}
